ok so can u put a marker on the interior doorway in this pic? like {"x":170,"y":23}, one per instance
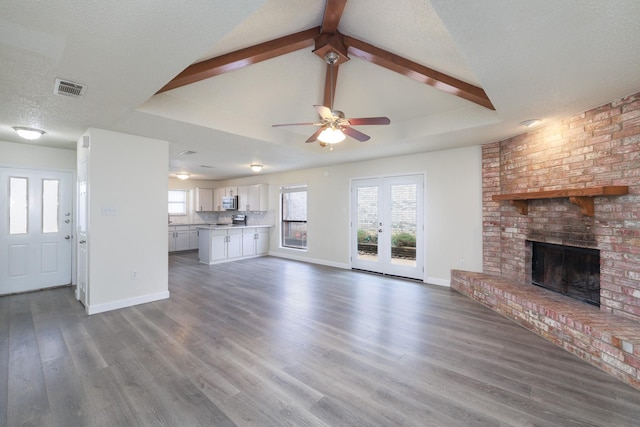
{"x":36,"y":226}
{"x":387,"y":225}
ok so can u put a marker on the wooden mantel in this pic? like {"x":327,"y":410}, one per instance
{"x":583,"y":197}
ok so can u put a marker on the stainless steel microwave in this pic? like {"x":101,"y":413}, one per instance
{"x":230,"y":203}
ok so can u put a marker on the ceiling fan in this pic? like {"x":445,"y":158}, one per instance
{"x":330,"y":43}
{"x":333,"y":126}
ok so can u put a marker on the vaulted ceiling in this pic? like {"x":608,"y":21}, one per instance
{"x":413,"y":61}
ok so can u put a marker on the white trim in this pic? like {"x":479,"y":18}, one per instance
{"x":438,"y":282}
{"x":311,"y":260}
{"x":128,"y":302}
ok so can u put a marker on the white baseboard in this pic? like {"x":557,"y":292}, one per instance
{"x":128,"y":302}
{"x":310,"y":260}
{"x":439,"y":282}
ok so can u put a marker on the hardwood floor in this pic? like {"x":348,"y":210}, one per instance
{"x":271,"y":342}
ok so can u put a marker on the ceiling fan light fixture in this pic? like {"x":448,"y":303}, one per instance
{"x":28,"y":133}
{"x":182,"y":176}
{"x":331,"y":135}
{"x":256,"y":167}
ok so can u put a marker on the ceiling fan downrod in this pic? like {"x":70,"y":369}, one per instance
{"x":331,"y":58}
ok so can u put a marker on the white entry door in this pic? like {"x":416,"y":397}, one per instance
{"x":35,"y":229}
{"x":387,"y":225}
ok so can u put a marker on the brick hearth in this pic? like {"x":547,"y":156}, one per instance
{"x":599,"y":147}
{"x":610,"y":342}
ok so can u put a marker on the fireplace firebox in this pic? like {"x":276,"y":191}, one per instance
{"x":571,"y":271}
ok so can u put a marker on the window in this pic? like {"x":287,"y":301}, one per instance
{"x":178,"y":202}
{"x":294,"y":217}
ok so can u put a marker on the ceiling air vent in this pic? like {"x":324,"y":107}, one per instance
{"x":67,"y":88}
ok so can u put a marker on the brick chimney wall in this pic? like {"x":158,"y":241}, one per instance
{"x":598,"y":147}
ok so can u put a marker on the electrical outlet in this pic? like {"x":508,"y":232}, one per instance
{"x":134,"y":275}
{"x":461,"y":263}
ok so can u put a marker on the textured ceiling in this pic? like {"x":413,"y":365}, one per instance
{"x":544,"y":59}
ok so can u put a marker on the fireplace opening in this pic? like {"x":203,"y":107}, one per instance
{"x":571,"y":271}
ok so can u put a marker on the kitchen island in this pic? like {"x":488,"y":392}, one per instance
{"x":223,"y":243}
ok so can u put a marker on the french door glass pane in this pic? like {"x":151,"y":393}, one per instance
{"x":50,"y":205}
{"x":18,"y":205}
{"x":367,"y":223}
{"x":404,"y":216}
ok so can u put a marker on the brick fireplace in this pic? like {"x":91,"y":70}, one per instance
{"x":600,"y":147}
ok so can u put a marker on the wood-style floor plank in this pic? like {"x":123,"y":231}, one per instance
{"x":272,"y":342}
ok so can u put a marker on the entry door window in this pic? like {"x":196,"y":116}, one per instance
{"x":50,"y":203}
{"x":18,"y":205}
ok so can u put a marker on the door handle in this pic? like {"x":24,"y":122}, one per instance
{"x":82,"y":241}
{"x":67,"y":237}
{"x":379,"y":230}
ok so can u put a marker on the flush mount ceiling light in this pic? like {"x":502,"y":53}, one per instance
{"x":331,"y":135}
{"x":256,"y":167}
{"x":182,"y":176}
{"x":530,"y":123}
{"x":29,"y":133}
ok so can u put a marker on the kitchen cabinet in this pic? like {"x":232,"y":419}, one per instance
{"x":255,"y":241}
{"x":179,"y":238}
{"x":230,"y":191}
{"x":204,"y":199}
{"x":219,"y":245}
{"x":222,"y":244}
{"x":218,"y":194}
{"x":253,"y":197}
{"x":193,"y":237}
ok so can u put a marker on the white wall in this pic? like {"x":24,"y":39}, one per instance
{"x":33,"y":156}
{"x":453,"y":208}
{"x":127,"y":174}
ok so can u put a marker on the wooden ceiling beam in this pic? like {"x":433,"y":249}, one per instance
{"x":332,"y":13}
{"x":417,"y":72}
{"x":243,"y":58}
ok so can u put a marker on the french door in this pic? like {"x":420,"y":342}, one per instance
{"x":387,"y":225}
{"x":35,"y":229}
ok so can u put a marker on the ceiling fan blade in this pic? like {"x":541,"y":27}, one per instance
{"x":297,"y":124}
{"x":369,"y":121}
{"x":356,"y":134}
{"x":325,"y":112}
{"x":314,"y":137}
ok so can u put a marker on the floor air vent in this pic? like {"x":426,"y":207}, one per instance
{"x":67,"y":88}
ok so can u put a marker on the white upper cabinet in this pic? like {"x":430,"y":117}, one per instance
{"x":204,"y":199}
{"x":253,"y":197}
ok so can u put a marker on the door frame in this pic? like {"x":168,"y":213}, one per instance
{"x":421,"y":221}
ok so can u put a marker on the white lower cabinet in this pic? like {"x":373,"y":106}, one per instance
{"x":225,"y":244}
{"x":221,"y":245}
{"x":193,"y":238}
{"x":255,"y":241}
{"x":262,"y":241}
{"x":179,"y":238}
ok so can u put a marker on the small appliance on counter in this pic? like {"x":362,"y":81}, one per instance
{"x":238,"y":219}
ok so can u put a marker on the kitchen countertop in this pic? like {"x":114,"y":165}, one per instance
{"x":228,"y":226}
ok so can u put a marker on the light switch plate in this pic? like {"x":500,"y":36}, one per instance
{"x":109,"y":210}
